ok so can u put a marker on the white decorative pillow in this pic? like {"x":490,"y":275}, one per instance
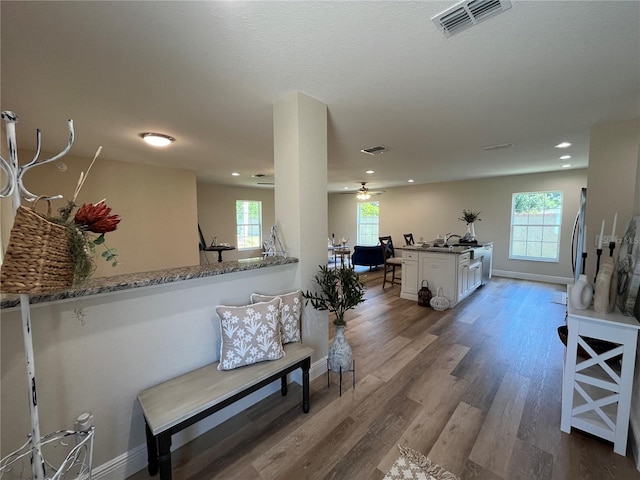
{"x":249,"y":334}
{"x":290,"y":312}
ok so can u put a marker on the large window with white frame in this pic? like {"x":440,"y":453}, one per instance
{"x":368,"y":223}
{"x":248,"y":224}
{"x":536,"y":218}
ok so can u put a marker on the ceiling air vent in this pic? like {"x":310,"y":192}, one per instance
{"x":467,"y":13}
{"x":375,"y":150}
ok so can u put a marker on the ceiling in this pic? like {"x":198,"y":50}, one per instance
{"x":209,"y":73}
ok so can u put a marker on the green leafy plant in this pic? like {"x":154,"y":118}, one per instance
{"x":469,"y":216}
{"x":340,"y":290}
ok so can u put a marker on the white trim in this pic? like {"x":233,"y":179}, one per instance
{"x":534,"y":277}
{"x":123,"y":466}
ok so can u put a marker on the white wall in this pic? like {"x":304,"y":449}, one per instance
{"x":432,"y":209}
{"x":124,"y":342}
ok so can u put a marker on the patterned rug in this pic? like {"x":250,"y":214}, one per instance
{"x":412,"y":465}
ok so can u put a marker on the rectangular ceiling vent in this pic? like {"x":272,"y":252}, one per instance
{"x":375,"y":150}
{"x":467,"y":13}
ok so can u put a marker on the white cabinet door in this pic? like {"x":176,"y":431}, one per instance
{"x":463,"y":279}
{"x":410,"y":272}
{"x":440,"y":270}
{"x":475,"y":275}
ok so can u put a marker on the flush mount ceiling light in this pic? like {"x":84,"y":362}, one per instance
{"x":157,"y":139}
{"x":565,"y":157}
{"x":563,"y":145}
{"x":566,"y":165}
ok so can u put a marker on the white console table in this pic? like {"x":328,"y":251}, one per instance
{"x":596,"y":395}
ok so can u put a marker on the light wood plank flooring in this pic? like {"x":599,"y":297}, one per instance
{"x":476,"y":388}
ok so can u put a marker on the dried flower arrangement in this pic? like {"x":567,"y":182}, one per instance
{"x":469,"y":216}
{"x":90,"y":218}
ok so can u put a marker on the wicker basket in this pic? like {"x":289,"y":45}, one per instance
{"x":38,"y":258}
{"x":440,"y":302}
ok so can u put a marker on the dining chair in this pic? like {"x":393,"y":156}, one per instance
{"x":390,"y":260}
{"x":408,"y":239}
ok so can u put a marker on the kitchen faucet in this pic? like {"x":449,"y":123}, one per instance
{"x":447,"y":237}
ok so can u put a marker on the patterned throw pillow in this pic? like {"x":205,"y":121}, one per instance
{"x":250,"y":334}
{"x":290,"y":312}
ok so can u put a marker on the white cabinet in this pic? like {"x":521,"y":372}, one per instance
{"x":441,"y":271}
{"x":596,"y":392}
{"x":463,"y":275}
{"x":458,"y":274}
{"x":410,"y":274}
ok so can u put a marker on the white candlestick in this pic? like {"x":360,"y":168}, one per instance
{"x":613,"y":230}
{"x":584,"y":240}
{"x":601,"y":235}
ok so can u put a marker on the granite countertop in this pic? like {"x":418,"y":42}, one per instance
{"x":456,"y":248}
{"x":144,"y":279}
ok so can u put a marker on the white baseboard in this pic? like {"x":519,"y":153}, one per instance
{"x":532,"y":276}
{"x":135,"y":459}
{"x":122,"y":466}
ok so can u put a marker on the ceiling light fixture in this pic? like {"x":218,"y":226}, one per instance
{"x":566,"y":165}
{"x":565,"y":157}
{"x":410,"y":180}
{"x":235,"y":174}
{"x":370,"y":172}
{"x":563,"y":145}
{"x":363,"y":195}
{"x":157,"y":139}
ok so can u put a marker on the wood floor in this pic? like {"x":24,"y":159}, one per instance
{"x":475,"y":388}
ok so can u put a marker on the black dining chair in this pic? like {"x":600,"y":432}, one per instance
{"x":390,"y":260}
{"x":408,"y":239}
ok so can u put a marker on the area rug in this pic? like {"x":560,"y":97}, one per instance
{"x":412,"y":465}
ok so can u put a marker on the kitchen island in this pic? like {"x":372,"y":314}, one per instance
{"x":458,"y":270}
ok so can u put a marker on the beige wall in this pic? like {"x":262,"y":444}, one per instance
{"x":217,"y":216}
{"x":157,"y":205}
{"x":613,"y":169}
{"x":432,"y":209}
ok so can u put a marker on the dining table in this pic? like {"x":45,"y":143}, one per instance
{"x":219,"y":249}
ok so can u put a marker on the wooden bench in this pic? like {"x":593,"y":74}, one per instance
{"x":182,"y":401}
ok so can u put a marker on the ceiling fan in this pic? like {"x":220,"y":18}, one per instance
{"x":363,"y":193}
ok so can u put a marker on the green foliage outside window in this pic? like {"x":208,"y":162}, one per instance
{"x":249,"y":224}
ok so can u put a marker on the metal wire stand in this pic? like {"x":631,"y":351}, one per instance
{"x":353,"y":375}
{"x":75,"y":448}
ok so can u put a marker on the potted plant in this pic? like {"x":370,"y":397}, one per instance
{"x":340,"y":290}
{"x":469,"y":217}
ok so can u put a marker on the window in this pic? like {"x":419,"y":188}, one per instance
{"x":368,"y":223}
{"x":249,"y":224}
{"x":535,"y":226}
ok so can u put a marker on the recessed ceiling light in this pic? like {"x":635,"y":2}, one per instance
{"x":410,"y":180}
{"x":370,"y":172}
{"x":157,"y":139}
{"x":566,"y":165}
{"x":565,"y":157}
{"x":345,"y":188}
{"x":235,"y":174}
{"x":563,"y":145}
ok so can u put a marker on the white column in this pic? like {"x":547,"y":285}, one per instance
{"x":300,"y":157}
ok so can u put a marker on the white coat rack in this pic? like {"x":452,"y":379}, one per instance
{"x":16,"y":190}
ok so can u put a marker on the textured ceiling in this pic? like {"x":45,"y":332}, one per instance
{"x":208,"y":73}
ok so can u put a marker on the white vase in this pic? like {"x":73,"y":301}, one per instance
{"x":340,"y":354}
{"x":581,"y":293}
